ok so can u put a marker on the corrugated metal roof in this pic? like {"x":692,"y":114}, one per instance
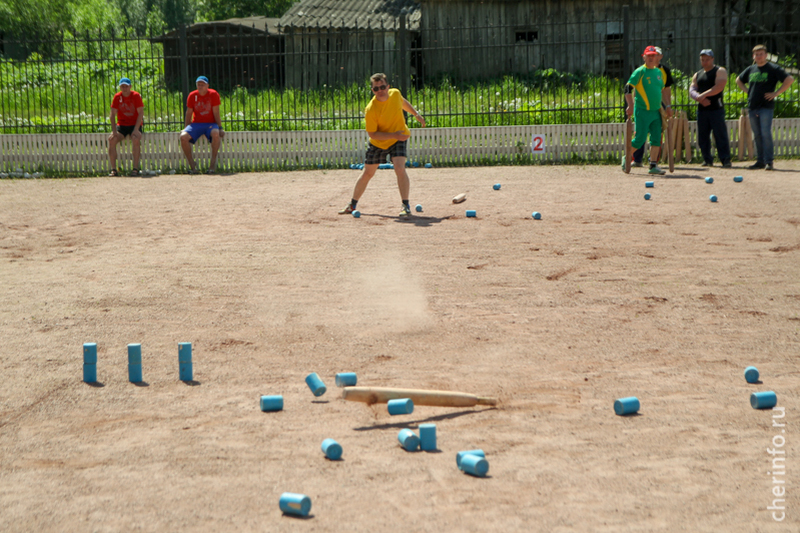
{"x":352,"y":14}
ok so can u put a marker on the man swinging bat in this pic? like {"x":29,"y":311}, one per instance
{"x":388,"y":135}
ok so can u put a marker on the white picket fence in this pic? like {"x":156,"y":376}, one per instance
{"x":242,"y":151}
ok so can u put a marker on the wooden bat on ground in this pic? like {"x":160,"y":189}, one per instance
{"x":679,"y":136}
{"x":459,"y":198}
{"x":371,"y":395}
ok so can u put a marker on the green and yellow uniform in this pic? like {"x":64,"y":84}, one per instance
{"x":647,"y":84}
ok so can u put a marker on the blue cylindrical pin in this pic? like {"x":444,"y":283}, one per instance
{"x":134,"y":354}
{"x":427,"y":437}
{"x":332,"y":449}
{"x":471,"y":213}
{"x":751,"y":374}
{"x":475,"y":465}
{"x":647,"y":196}
{"x":626,"y":406}
{"x":272,"y":403}
{"x":346,"y":379}
{"x":418,"y":208}
{"x":459,"y":455}
{"x":90,"y":373}
{"x":536,"y":215}
{"x":403,"y":406}
{"x":738,"y":179}
{"x":90,"y":353}
{"x":713,"y":197}
{"x":186,"y":372}
{"x":408,"y":440}
{"x":135,"y":373}
{"x":184,"y":352}
{"x":496,"y":186}
{"x":295,"y":504}
{"x":316,"y":385}
{"x":763,"y":400}
{"x":709,"y":180}
{"x":649,"y":184}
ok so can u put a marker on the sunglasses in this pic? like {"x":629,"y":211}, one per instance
{"x":379,"y":88}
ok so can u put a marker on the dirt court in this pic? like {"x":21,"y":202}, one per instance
{"x":607,"y":296}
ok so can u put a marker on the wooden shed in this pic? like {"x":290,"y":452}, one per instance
{"x":596,"y":36}
{"x":339,"y":42}
{"x":240,"y":52}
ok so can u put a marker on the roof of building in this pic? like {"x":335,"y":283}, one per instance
{"x":246,"y":25}
{"x":352,"y":14}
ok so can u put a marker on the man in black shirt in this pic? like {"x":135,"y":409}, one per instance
{"x":706,"y":89}
{"x":762,"y":77}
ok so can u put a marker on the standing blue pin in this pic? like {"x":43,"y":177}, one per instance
{"x":135,"y":363}
{"x":316,"y":385}
{"x":90,"y":362}
{"x":185,"y":361}
{"x":427,"y":437}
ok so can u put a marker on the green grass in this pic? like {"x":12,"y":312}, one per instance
{"x":73,"y":93}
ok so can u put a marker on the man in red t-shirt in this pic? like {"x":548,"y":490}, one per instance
{"x":127,"y":111}
{"x":202,"y":120}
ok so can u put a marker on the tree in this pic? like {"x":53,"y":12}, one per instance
{"x":226,"y":9}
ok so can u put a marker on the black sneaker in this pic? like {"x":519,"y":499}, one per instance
{"x":757,"y":166}
{"x":769,"y":167}
{"x":707,"y":164}
{"x":727,"y":164}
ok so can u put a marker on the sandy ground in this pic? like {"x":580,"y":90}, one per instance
{"x":607,"y":296}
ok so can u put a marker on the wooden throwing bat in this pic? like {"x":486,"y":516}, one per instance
{"x":687,"y":139}
{"x":742,"y":131}
{"x":459,"y":198}
{"x":670,"y":148}
{"x":371,"y":395}
{"x":628,"y":147}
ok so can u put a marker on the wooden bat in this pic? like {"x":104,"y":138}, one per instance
{"x":679,"y":137}
{"x":748,"y":138}
{"x":742,"y":131}
{"x":670,"y":149}
{"x":371,"y":395}
{"x":628,"y":147}
{"x":459,"y":198}
{"x":687,"y":138}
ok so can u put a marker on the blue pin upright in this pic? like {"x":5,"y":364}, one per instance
{"x":90,"y":362}
{"x":185,"y":361}
{"x":135,"y":363}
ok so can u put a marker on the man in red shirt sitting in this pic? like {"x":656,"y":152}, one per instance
{"x":202,"y":119}
{"x":127,"y":111}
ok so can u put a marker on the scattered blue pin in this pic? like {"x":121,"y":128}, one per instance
{"x":626,"y":406}
{"x":763,"y":400}
{"x":751,"y":374}
{"x":135,"y":363}
{"x":185,"y":361}
{"x":295,"y":504}
{"x":90,"y":362}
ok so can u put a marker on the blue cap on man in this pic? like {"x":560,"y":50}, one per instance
{"x":707,"y":52}
{"x":125,"y":81}
{"x":201,"y":78}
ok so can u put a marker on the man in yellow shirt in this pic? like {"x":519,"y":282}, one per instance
{"x":388,"y":135}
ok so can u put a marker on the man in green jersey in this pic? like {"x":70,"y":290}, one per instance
{"x":644,"y":101}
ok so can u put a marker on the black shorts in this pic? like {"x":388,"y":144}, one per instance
{"x":376,"y":156}
{"x":126,"y":131}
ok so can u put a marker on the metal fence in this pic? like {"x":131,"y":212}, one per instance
{"x":459,"y":69}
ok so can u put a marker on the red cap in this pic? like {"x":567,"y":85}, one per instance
{"x":650,"y":51}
